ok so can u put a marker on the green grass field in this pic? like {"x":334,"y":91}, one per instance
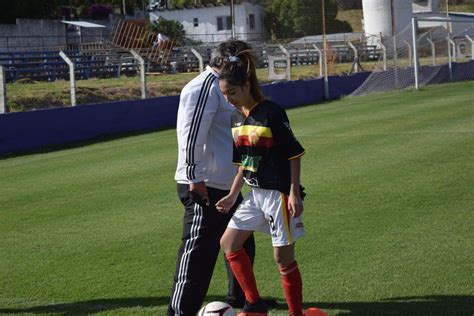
{"x":94,"y":229}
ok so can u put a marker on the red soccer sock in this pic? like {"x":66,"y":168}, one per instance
{"x":243,"y":271}
{"x":293,"y":287}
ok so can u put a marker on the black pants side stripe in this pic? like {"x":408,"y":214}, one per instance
{"x":184,"y":264}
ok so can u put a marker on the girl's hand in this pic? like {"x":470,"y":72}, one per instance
{"x":225,"y":204}
{"x":295,"y":205}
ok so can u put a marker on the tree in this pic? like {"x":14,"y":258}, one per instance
{"x":296,"y":18}
{"x":349,"y":4}
{"x":27,"y":9}
{"x":173,"y":29}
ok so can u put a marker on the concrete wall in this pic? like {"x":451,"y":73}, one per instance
{"x":27,"y":33}
{"x":34,"y":34}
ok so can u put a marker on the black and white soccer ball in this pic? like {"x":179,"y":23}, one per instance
{"x":216,"y":309}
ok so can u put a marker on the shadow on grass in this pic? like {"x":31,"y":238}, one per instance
{"x":418,"y":305}
{"x":79,"y":143}
{"x":90,"y":307}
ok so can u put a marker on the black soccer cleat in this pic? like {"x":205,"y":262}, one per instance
{"x":257,"y":309}
{"x":271,"y":303}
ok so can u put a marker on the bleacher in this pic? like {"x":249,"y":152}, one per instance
{"x":49,"y":66}
{"x":113,"y":62}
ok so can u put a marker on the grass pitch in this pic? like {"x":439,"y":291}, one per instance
{"x":94,"y":229}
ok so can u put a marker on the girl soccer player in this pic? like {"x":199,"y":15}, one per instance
{"x":268,"y":156}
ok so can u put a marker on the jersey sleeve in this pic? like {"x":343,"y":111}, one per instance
{"x":284,"y":136}
{"x":200,"y":108}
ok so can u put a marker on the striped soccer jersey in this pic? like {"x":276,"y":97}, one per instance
{"x":263,"y":145}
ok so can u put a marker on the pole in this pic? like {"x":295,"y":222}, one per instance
{"x":384,"y":55}
{"x":232,"y":18}
{"x":415,"y":53}
{"x":288,"y":61}
{"x":394,"y":37}
{"x":448,"y":27}
{"x":326,"y":81}
{"x":320,"y":56}
{"x":3,"y":92}
{"x":72,"y":79}
{"x":355,"y":62}
{"x":433,"y":51}
{"x":447,"y":10}
{"x":200,"y":59}
{"x":472,"y":46}
{"x":142,"y":72}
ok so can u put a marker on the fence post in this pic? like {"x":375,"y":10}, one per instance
{"x":472,"y":46}
{"x":199,"y":57}
{"x":410,"y":53}
{"x":384,"y":55}
{"x":450,"y":58}
{"x":288,"y":61}
{"x":72,"y":78}
{"x":433,"y":50}
{"x":3,"y":92}
{"x":355,"y":62}
{"x":414,"y":25}
{"x":142,"y":72}
{"x":453,"y":54}
{"x":320,"y":59}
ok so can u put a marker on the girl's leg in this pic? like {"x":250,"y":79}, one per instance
{"x":232,"y":243}
{"x":291,"y":278}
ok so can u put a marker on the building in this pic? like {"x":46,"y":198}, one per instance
{"x":213,"y":23}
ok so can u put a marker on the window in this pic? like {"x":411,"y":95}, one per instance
{"x":224,"y":23}
{"x":252,"y":21}
{"x":195,"y":22}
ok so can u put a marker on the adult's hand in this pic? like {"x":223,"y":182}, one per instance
{"x":201,"y":190}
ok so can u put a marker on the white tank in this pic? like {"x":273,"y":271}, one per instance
{"x":378,"y":17}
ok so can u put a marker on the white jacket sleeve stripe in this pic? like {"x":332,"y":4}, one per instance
{"x":195,"y":124}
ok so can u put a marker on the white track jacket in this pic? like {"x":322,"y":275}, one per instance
{"x":204,"y":134}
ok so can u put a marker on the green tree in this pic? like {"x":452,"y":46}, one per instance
{"x":173,"y":29}
{"x":296,"y":18}
{"x":27,"y":9}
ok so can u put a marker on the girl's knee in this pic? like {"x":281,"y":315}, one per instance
{"x":233,"y":240}
{"x":283,"y":256}
{"x":226,"y":243}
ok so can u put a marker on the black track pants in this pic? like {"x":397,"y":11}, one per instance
{"x":203,"y":227}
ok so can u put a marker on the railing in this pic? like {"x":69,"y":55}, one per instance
{"x":35,"y":43}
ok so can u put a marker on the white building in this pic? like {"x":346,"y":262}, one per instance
{"x":213,"y":23}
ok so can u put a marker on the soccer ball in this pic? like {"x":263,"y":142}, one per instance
{"x":217,"y":309}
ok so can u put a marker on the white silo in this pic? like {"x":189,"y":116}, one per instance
{"x":378,"y":17}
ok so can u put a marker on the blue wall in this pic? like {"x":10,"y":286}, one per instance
{"x":34,"y":129}
{"x":26,"y":131}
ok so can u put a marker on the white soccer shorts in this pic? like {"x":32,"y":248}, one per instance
{"x":266,"y":211}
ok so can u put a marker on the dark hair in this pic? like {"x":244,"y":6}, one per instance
{"x":241,"y":68}
{"x":224,"y":50}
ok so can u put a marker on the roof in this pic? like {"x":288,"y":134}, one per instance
{"x":83,"y":24}
{"x":339,"y":37}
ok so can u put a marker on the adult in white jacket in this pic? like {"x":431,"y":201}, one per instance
{"x":204,"y":175}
